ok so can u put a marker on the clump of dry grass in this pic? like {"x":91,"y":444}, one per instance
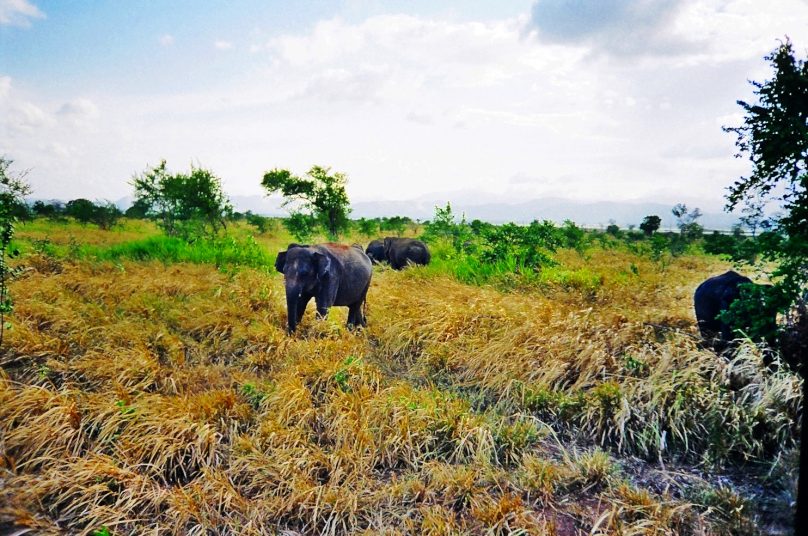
{"x":145,"y":397}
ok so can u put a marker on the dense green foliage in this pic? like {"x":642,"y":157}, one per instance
{"x":262,"y":224}
{"x":650,"y":224}
{"x":187,"y":205}
{"x":300,"y":225}
{"x":104,"y":214}
{"x":321,"y":195}
{"x":774,"y":136}
{"x":13,"y":190}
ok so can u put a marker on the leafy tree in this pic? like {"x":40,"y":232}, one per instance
{"x":572,"y":236}
{"x":52,"y":210}
{"x":321,"y":194}
{"x":368,"y":227}
{"x":774,"y":136}
{"x":443,"y":226}
{"x":613,"y":229}
{"x":753,"y":215}
{"x":106,"y":215}
{"x":720,"y":244}
{"x":139,"y":210}
{"x":302,"y":226}
{"x":185,"y":204}
{"x":478,"y":227}
{"x":529,"y":246}
{"x":686,"y":221}
{"x":261,"y":223}
{"x":395,"y":224}
{"x":81,"y":209}
{"x":39,"y":208}
{"x":650,"y":224}
{"x":13,"y":190}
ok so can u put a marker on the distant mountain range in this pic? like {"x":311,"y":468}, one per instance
{"x":595,"y":214}
{"x":590,"y":214}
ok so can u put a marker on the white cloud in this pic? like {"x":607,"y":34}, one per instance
{"x":18,"y":13}
{"x":25,"y":116}
{"x":78,"y":112}
{"x":5,"y":86}
{"x":79,"y":107}
{"x":166,"y":40}
{"x":420,"y":118}
{"x":222,"y":45}
{"x":507,"y":114}
{"x":59,"y":150}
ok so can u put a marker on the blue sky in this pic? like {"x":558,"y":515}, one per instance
{"x":584,"y":99}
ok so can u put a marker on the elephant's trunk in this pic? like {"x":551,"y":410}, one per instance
{"x":292,"y":297}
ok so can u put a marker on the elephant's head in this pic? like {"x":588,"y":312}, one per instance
{"x":375,"y":251}
{"x":305,"y":270}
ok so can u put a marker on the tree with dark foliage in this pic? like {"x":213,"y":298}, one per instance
{"x":186,"y":205}
{"x":650,"y":224}
{"x":80,"y":209}
{"x":322,"y":194}
{"x":13,"y":189}
{"x":774,"y":136}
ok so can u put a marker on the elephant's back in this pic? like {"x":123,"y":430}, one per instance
{"x":352,"y":259}
{"x":417,"y":251}
{"x":719,"y":285}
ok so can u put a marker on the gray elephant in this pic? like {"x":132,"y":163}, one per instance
{"x":399,"y":252}
{"x":714,"y":296}
{"x":332,"y":274}
{"x":375,"y":251}
{"x":402,"y":251}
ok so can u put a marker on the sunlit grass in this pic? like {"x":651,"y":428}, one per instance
{"x":147,"y":387}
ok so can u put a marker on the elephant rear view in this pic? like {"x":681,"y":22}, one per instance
{"x":403,"y":251}
{"x":332,"y":274}
{"x":714,"y":296}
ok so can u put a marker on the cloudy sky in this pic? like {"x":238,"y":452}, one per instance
{"x":507,"y":100}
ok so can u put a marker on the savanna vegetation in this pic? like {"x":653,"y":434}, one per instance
{"x":148,"y":383}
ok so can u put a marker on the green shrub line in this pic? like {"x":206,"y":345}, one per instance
{"x":227,"y":251}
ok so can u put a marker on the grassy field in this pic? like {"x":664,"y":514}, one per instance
{"x":148,"y":387}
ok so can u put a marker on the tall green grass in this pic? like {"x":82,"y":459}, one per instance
{"x":227,"y":251}
{"x":507,"y":273}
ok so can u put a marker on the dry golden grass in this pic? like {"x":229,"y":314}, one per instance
{"x":168,"y":400}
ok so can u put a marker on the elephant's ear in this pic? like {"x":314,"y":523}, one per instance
{"x":323,"y":264}
{"x":280,"y":261}
{"x":387,"y":243}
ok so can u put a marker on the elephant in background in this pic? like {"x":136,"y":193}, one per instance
{"x":714,"y":296}
{"x":403,"y":251}
{"x":375,"y":251}
{"x":399,"y":252}
{"x":332,"y":274}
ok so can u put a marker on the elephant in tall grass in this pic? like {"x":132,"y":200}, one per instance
{"x":332,"y":274}
{"x":714,"y":296}
{"x":399,"y":252}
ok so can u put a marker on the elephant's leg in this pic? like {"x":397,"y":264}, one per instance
{"x":302,"y":302}
{"x":355,"y":314}
{"x":360,"y":313}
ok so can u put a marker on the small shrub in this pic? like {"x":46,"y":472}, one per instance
{"x":593,"y":468}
